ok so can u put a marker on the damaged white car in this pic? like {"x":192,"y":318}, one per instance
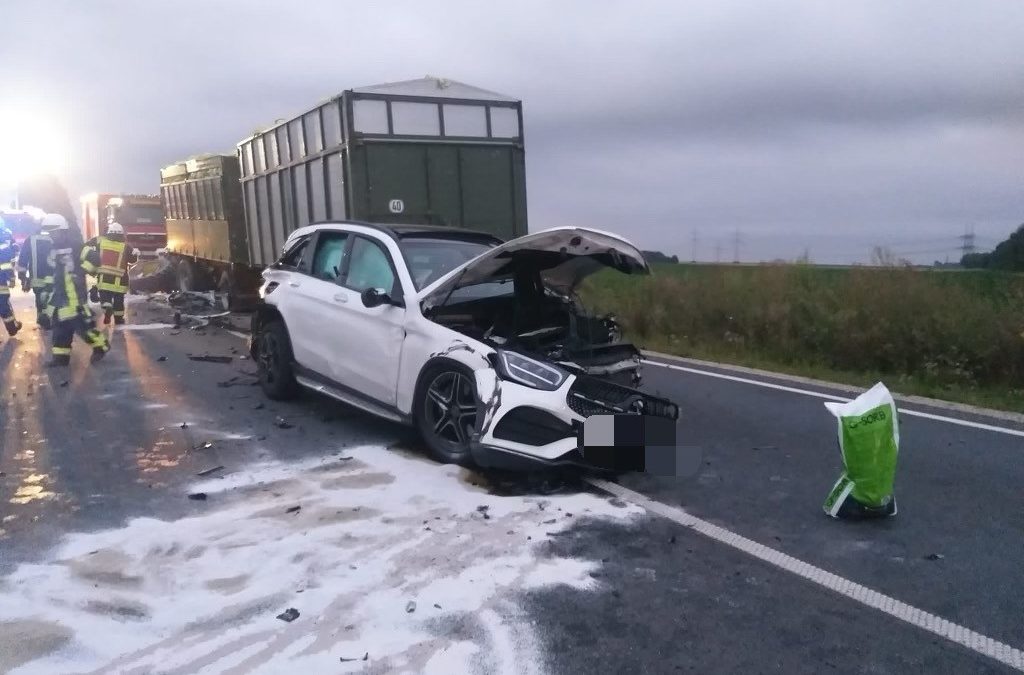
{"x":482,"y":345}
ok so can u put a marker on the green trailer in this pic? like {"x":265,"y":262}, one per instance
{"x":428,"y":151}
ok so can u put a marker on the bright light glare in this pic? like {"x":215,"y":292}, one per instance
{"x":29,"y":144}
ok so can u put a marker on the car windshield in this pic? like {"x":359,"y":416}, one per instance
{"x":429,"y":259}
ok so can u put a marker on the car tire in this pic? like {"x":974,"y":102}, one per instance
{"x":274,"y":362}
{"x":447,"y":407}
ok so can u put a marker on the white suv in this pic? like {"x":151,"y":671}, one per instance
{"x":482,"y":345}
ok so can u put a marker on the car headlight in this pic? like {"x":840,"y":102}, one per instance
{"x":530,"y":372}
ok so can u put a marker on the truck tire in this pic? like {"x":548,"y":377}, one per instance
{"x":274,"y":362}
{"x":186,"y":272}
{"x":193,"y":277}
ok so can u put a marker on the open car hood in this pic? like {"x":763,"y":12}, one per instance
{"x":563,"y":256}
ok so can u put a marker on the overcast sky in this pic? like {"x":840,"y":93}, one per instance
{"x":828,"y":126}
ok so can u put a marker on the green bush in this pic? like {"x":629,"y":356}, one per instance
{"x":962,"y":329}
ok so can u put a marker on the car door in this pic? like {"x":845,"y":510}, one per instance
{"x":368,"y":343}
{"x":315,"y":298}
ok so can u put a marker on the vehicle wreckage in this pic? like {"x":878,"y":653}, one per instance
{"x":484,"y":346}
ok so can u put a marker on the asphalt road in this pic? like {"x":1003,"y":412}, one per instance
{"x":87,"y":452}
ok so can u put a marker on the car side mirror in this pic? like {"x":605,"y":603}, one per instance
{"x":374,"y":297}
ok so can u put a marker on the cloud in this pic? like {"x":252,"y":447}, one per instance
{"x":785,"y":119}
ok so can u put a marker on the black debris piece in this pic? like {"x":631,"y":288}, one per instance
{"x":198,"y":496}
{"x":365,"y":657}
{"x":212,"y":469}
{"x":2,"y":474}
{"x":345,"y":459}
{"x":207,"y":358}
{"x":204,"y":446}
{"x":293,"y":509}
{"x":410,"y":606}
{"x":437,"y":606}
{"x":482,"y":509}
{"x":617,"y":503}
{"x":63,"y":384}
{"x":282,"y":423}
{"x":934,"y":556}
{"x":261,"y":438}
{"x":289,"y":615}
{"x":184,"y":425}
{"x":672,"y":539}
{"x":161,"y":358}
{"x":257,"y":406}
{"x":549,"y":522}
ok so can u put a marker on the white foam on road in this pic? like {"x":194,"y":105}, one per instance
{"x":976,"y":642}
{"x":200,"y":594}
{"x":833,"y":397}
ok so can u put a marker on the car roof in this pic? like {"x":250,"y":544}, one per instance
{"x":400,"y":231}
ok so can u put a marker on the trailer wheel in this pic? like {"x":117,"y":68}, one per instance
{"x":186,"y":276}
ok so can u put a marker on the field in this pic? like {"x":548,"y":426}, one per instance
{"x":956,"y":335}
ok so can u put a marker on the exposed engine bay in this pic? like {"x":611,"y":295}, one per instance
{"x":521,"y":314}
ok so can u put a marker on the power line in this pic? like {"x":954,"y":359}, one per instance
{"x":968,"y":247}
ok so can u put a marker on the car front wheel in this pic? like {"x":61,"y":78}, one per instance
{"x":274,"y":362}
{"x":447,"y":413}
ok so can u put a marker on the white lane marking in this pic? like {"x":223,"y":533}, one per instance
{"x":914,"y":616}
{"x":243,"y":336}
{"x":833,"y":397}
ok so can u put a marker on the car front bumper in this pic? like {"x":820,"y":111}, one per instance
{"x":524,"y":428}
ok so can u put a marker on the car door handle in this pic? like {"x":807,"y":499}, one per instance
{"x":340,"y":297}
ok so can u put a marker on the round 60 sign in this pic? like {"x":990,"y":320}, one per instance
{"x":396,"y":206}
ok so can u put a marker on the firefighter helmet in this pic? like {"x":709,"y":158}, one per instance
{"x":54,"y":221}
{"x":115,"y":228}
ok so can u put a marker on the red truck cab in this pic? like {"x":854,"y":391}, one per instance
{"x":141,"y":216}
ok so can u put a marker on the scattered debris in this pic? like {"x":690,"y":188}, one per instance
{"x":934,"y":556}
{"x":203,"y":446}
{"x":617,"y":503}
{"x":184,"y":425}
{"x":261,"y":438}
{"x":2,"y":474}
{"x":344,"y":459}
{"x":282,"y":423}
{"x":365,"y":657}
{"x":549,"y":522}
{"x":210,"y":359}
{"x":63,"y":384}
{"x":410,"y":607}
{"x":672,"y":539}
{"x":293,"y":509}
{"x":212,"y":469}
{"x":258,"y":406}
{"x":198,"y":496}
{"x":437,"y":606}
{"x":289,"y":615}
{"x":161,"y":358}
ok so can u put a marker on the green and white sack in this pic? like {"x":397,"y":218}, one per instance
{"x":869,"y":440}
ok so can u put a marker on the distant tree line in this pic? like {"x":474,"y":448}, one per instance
{"x":1008,"y":255}
{"x":659,"y":257}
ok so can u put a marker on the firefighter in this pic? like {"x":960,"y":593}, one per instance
{"x":107,"y":257}
{"x":34,"y":267}
{"x":68,"y":308}
{"x":8,"y":256}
